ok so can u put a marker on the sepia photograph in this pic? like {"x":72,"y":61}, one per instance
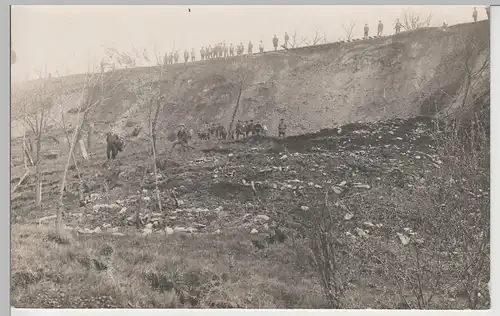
{"x":250,"y":157}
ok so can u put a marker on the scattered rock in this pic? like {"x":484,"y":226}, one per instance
{"x":361,"y":186}
{"x":113,"y":230}
{"x":348,"y":216}
{"x":97,"y":230}
{"x":200,"y":226}
{"x":169,"y":230}
{"x":254,"y":231}
{"x":368,"y":224}
{"x":261,"y":218}
{"x":405,"y":240}
{"x":337,"y":190}
{"x":304,"y":208}
{"x":360,"y":232}
{"x":179,"y":229}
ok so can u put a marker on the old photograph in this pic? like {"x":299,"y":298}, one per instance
{"x":250,"y":157}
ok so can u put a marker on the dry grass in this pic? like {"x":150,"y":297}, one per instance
{"x":50,"y":270}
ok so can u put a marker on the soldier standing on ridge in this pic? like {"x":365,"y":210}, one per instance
{"x":287,"y":38}
{"x":366,"y":29}
{"x":380,"y":28}
{"x":261,"y":47}
{"x":474,"y":14}
{"x":226,"y":53}
{"x":193,"y":57}
{"x":231,"y":50}
{"x":250,"y":47}
{"x":165,"y":59}
{"x":176,"y":56}
{"x":186,"y":56}
{"x":171,"y":58}
{"x":209,"y":52}
{"x":397,"y":27}
{"x":281,"y":129}
{"x":275,"y":42}
{"x":202,"y":53}
{"x":242,"y":49}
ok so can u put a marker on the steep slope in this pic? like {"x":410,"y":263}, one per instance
{"x":403,"y":75}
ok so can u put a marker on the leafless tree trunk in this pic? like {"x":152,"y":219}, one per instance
{"x":413,"y":20}
{"x":349,"y":29}
{"x":90,"y":132}
{"x":293,"y":43}
{"x":74,"y":140}
{"x":237,"y":107}
{"x":40,"y":128}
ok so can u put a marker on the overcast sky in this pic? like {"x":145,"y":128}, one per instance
{"x":69,"y":38}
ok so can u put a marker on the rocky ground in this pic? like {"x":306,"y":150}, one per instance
{"x":242,"y":211}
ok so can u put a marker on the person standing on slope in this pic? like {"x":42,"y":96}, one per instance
{"x":261,"y":47}
{"x":186,"y":56}
{"x":380,"y":28}
{"x":226,"y":51}
{"x":193,"y":57}
{"x":474,"y":14}
{"x":182,"y":137}
{"x":250,"y":47}
{"x":281,"y":129}
{"x":397,"y":27}
{"x":287,"y":38}
{"x":275,"y":42}
{"x":366,"y":29}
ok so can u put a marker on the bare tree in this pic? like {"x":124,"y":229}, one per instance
{"x":349,"y":29}
{"x":293,"y":42}
{"x":316,"y":39}
{"x":76,"y":133}
{"x":413,"y":20}
{"x":241,"y":86}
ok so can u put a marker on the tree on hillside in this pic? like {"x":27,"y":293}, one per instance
{"x":147,"y":89}
{"x":242,"y":82}
{"x":293,"y":39}
{"x":348,"y":29}
{"x":413,"y":20}
{"x":318,"y":38}
{"x":89,"y":99}
{"x":34,"y":112}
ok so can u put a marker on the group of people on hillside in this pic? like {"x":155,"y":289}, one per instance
{"x":243,"y":130}
{"x":222,"y":50}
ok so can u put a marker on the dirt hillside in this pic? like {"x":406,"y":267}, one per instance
{"x":312,"y":87}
